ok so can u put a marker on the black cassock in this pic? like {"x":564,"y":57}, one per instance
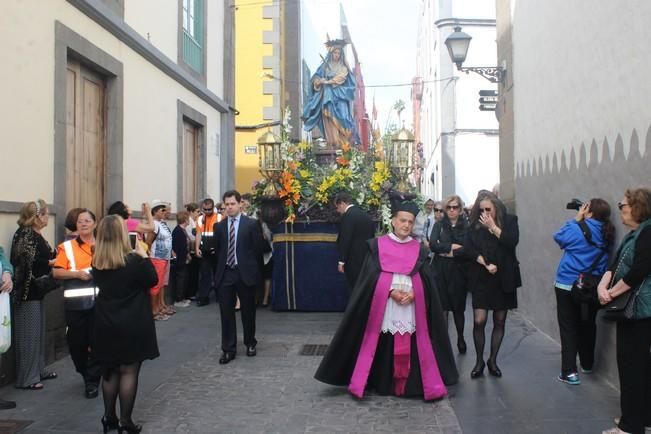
{"x":338,"y":364}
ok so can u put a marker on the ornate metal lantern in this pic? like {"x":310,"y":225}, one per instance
{"x":270,"y":160}
{"x":401,"y":157}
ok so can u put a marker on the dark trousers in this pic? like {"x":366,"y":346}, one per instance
{"x":79,"y":337}
{"x":231,"y":286}
{"x":578,"y":330}
{"x":634,"y":365}
{"x":193,"y":276}
{"x":179,"y":282}
{"x":206,"y":277}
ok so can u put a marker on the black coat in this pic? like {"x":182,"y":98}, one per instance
{"x":124,"y":330}
{"x":339,"y":361}
{"x":444,"y":235}
{"x":450,"y":272}
{"x":498,"y":251}
{"x":248,"y":249}
{"x":355,"y":229}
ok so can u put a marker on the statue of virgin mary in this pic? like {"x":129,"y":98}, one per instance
{"x":329,"y":104}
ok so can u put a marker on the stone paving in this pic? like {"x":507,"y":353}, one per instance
{"x":187,"y":391}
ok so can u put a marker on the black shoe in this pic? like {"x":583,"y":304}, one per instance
{"x":478,"y":370}
{"x":110,"y":423}
{"x":129,"y":428}
{"x":202,"y":302}
{"x":227,"y":357}
{"x":461,"y":345}
{"x":493,"y":369}
{"x":91,"y":391}
{"x":251,"y":351}
{"x":6,"y":405}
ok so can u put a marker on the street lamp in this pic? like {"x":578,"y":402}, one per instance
{"x":458,"y":43}
{"x":401,"y":157}
{"x":270,"y":161}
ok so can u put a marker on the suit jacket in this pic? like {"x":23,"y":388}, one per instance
{"x":355,"y":229}
{"x":248,"y":250}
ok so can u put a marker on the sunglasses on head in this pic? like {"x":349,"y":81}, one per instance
{"x":621,"y":205}
{"x":438,"y":209}
{"x":452,"y":207}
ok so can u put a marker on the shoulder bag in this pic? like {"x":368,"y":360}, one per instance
{"x":584,"y":288}
{"x":622,"y":307}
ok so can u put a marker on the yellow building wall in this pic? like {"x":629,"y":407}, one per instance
{"x":249,"y":76}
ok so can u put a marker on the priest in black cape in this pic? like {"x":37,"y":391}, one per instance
{"x":392,"y":338}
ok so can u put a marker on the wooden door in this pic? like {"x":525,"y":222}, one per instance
{"x":85,"y":139}
{"x":190,"y":159}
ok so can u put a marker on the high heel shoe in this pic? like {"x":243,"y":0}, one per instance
{"x":478,"y":370}
{"x":493,"y":369}
{"x":130,"y":428}
{"x":461,"y":346}
{"x":109,"y":423}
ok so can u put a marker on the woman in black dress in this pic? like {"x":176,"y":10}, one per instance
{"x":493,"y":275}
{"x":447,"y":240}
{"x":124,"y":331}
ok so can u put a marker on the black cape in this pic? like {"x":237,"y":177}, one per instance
{"x":339,"y":361}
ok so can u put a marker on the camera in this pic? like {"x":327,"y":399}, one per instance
{"x":574,"y":204}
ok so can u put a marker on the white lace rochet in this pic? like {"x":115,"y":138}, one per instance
{"x":399,"y":318}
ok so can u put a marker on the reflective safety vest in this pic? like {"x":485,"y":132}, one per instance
{"x":77,"y":294}
{"x":206,"y":230}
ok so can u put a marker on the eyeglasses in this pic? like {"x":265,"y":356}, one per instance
{"x":438,"y":210}
{"x":222,"y":209}
{"x":452,"y":207}
{"x":207,"y":210}
{"x":486,"y":209}
{"x":621,"y":205}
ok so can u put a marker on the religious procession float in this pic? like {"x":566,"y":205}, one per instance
{"x":294,"y":197}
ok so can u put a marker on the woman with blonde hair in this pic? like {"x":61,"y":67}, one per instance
{"x":448,"y":238}
{"x":124,"y":331}
{"x":31,"y":257}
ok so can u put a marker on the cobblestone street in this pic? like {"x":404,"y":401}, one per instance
{"x":187,"y":391}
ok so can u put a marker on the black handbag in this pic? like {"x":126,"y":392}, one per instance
{"x":622,"y":307}
{"x":584,"y":289}
{"x":42,"y":285}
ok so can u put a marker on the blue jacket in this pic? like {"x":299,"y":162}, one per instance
{"x":578,"y":255}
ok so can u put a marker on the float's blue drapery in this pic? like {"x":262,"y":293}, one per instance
{"x":337,"y":100}
{"x":305,"y":276}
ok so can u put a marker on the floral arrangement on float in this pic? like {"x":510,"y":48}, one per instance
{"x":305,"y":186}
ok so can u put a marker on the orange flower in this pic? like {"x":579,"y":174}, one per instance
{"x":290,"y":218}
{"x":292,"y":166}
{"x":342,"y":161}
{"x":345,"y":147}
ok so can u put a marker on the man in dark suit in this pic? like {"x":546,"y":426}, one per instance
{"x":238,"y":243}
{"x":355,"y":229}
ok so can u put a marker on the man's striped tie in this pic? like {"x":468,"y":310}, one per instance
{"x":230,"y":258}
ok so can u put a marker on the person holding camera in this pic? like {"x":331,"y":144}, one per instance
{"x":585,"y":241}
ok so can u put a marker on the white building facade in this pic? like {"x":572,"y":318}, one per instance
{"x":460,"y":142}
{"x":107,"y":100}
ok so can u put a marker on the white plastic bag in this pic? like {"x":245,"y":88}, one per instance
{"x":5,"y":322}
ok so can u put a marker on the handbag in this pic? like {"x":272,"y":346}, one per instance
{"x":43,"y":285}
{"x":584,"y":288}
{"x":5,"y":322}
{"x":622,"y":307}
